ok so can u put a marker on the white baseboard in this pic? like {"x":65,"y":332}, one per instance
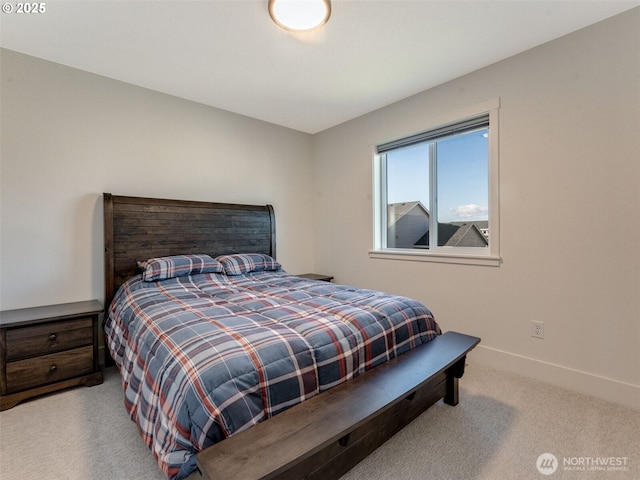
{"x":622,"y":393}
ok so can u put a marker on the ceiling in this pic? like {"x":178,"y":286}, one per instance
{"x":230,"y":55}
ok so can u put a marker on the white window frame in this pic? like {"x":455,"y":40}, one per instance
{"x":470,"y":256}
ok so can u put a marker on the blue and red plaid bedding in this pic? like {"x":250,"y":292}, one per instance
{"x":207,"y":355}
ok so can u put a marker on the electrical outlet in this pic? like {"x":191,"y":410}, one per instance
{"x":537,"y":329}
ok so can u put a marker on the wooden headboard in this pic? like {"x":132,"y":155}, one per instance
{"x":137,"y":228}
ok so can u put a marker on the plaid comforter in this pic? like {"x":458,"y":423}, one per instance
{"x":205,"y":356}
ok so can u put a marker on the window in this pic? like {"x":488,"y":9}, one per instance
{"x":436,"y":193}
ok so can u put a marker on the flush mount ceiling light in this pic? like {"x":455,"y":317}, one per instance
{"x":300,"y":15}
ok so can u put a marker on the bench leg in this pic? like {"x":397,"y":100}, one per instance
{"x":453,"y":374}
{"x":451,"y":397}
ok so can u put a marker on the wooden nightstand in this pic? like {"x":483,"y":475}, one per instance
{"x":44,"y":349}
{"x":316,"y":276}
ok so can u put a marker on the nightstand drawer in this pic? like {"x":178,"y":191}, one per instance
{"x":51,"y":368}
{"x":48,"y":338}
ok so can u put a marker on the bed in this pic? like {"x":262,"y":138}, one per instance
{"x":236,"y":368}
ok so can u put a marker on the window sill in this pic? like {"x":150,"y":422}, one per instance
{"x":456,"y":258}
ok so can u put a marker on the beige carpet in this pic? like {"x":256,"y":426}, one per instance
{"x":501,"y":426}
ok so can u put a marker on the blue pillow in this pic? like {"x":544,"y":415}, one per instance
{"x":240,"y":263}
{"x":178,"y":265}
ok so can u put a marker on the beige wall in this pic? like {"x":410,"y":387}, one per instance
{"x":569,"y":196}
{"x":569,"y":211}
{"x":68,"y":136}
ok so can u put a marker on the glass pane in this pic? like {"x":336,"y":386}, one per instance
{"x":408,"y":197}
{"x":463,"y":190}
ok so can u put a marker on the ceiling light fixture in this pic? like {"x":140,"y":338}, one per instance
{"x":300,"y":15}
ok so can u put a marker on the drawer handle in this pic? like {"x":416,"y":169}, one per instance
{"x":52,"y":337}
{"x":53,"y":368}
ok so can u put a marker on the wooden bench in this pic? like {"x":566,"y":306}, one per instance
{"x":325,"y":436}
